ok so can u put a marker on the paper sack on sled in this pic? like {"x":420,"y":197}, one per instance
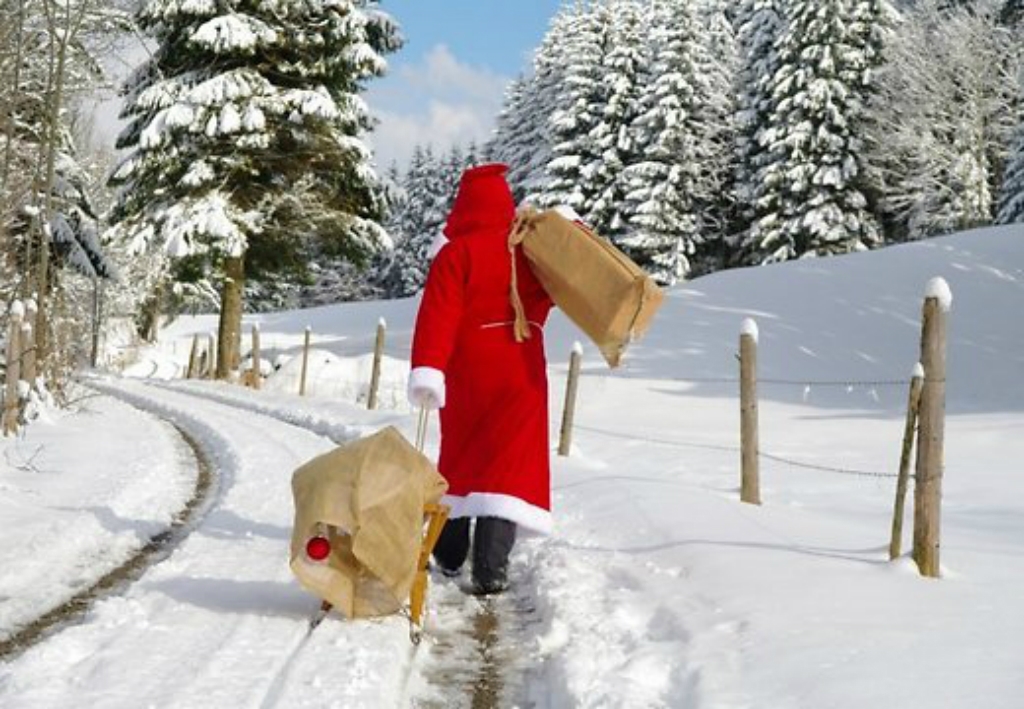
{"x":597,"y":286}
{"x":366,"y":501}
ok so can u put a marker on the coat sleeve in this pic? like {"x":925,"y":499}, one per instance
{"x":437,"y":322}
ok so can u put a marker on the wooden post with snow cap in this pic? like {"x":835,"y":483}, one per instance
{"x":12,"y":375}
{"x":193,"y":358}
{"x":305,"y":362}
{"x":257,"y":370}
{"x":571,"y":388}
{"x":909,"y":428}
{"x":378,"y":356}
{"x":931,"y":433}
{"x":750,"y":482}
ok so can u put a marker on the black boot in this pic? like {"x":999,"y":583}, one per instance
{"x":452,"y":546}
{"x":493,"y":540}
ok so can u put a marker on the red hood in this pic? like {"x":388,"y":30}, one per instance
{"x":483,"y":202}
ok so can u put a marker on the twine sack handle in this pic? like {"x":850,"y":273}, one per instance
{"x":522,"y":224}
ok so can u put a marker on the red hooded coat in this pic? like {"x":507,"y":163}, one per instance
{"x":494,"y":425}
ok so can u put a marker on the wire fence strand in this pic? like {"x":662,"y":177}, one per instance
{"x":736,"y":449}
{"x":803,"y":383}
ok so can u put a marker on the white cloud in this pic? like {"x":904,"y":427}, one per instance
{"x":439,"y":101}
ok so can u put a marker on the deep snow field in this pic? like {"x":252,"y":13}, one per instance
{"x":657,"y":589}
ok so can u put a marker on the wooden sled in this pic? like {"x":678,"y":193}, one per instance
{"x":436,"y":516}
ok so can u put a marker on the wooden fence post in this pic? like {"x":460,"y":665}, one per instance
{"x":378,"y":355}
{"x":211,"y":357}
{"x":27,"y":345}
{"x":305,"y":363}
{"x":31,"y":318}
{"x":909,"y":429}
{"x":569,"y":411}
{"x":257,"y":370}
{"x":930,"y":435}
{"x":193,"y":358}
{"x":13,"y":373}
{"x":750,"y":483}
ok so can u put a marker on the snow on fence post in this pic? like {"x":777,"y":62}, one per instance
{"x":10,"y":414}
{"x":193,"y":358}
{"x":569,"y":411}
{"x":256,"y":372}
{"x":750,"y":484}
{"x":378,"y":355}
{"x":909,"y":428}
{"x":305,"y":362}
{"x":931,"y":432}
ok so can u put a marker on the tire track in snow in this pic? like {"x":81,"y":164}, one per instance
{"x":158,"y":548}
{"x":209,"y":624}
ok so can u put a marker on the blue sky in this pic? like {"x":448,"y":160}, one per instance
{"x":497,"y":34}
{"x":446,"y":85}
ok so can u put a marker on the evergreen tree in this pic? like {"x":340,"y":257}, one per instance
{"x":662,"y":187}
{"x":1012,"y":13}
{"x":616,"y":143}
{"x":246,"y":137}
{"x":428,"y":192}
{"x":523,"y":137}
{"x":514,"y":141}
{"x":1011,"y":198}
{"x":579,"y":106}
{"x":811,"y":199}
{"x":759,"y":24}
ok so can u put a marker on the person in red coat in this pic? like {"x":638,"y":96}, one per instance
{"x":490,"y":385}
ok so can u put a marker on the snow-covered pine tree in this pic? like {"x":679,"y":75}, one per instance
{"x":759,"y":24}
{"x":523,"y":139}
{"x":428,"y":190}
{"x":512,"y":142}
{"x":662,"y":186}
{"x":617,"y":142}
{"x":246,"y":129}
{"x":578,"y":107}
{"x":1012,"y":13}
{"x":811,"y":199}
{"x":1011,"y":197}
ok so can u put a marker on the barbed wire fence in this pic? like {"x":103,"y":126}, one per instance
{"x":925,"y":423}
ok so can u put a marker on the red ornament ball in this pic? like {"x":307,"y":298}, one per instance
{"x":318,"y":548}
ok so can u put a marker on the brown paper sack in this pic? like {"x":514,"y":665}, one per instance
{"x":367,"y":498}
{"x":597,"y":286}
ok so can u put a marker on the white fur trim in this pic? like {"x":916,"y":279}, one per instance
{"x":426,"y":387}
{"x":437,"y":244}
{"x":491,"y":504}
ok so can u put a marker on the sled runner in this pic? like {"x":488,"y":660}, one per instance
{"x":360,"y":510}
{"x":597,"y":286}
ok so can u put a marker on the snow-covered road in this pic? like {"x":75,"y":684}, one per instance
{"x":217,"y":623}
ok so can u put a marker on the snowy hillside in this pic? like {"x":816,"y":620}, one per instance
{"x":658,"y":588}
